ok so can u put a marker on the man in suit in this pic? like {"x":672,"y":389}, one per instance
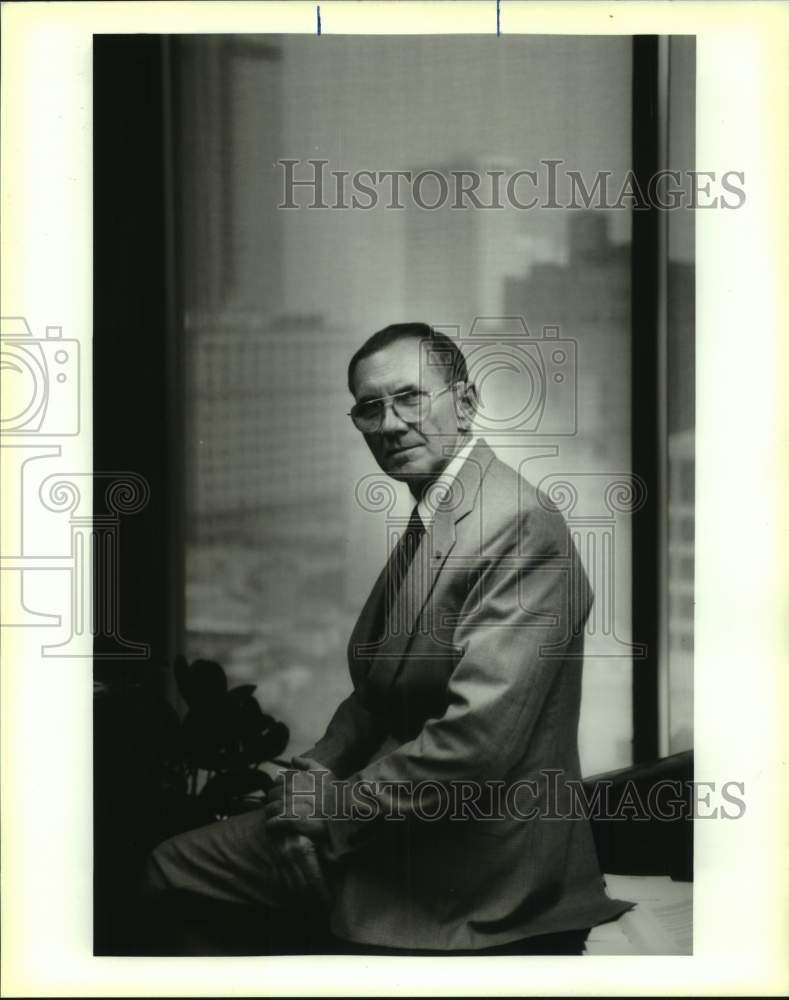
{"x":436,"y":812}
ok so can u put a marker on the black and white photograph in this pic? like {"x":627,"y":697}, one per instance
{"x":383,"y":587}
{"x":425,"y":680}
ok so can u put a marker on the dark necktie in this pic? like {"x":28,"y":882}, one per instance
{"x":403,"y":556}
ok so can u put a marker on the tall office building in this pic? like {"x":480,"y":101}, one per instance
{"x":262,"y":391}
{"x":458,"y":256}
{"x":588,"y":299}
{"x":230,"y":128}
{"x":270,"y":434}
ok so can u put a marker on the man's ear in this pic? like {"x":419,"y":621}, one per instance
{"x":466,"y":404}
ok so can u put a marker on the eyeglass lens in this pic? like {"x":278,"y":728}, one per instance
{"x":409,"y":406}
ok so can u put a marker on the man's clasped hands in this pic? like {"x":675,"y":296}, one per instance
{"x":297,"y":810}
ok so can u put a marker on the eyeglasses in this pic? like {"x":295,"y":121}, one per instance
{"x":411,"y":405}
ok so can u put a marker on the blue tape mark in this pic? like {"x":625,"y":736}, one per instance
{"x":498,"y":17}
{"x":318,"y":8}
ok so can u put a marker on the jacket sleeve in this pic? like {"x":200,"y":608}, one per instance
{"x":533,"y":593}
{"x":351,"y":737}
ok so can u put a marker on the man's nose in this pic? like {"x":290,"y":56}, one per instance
{"x":391,"y":422}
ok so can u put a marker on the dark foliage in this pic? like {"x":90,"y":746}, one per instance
{"x":226,"y":733}
{"x":156,"y":775}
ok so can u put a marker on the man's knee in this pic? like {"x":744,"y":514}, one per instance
{"x":153,"y":879}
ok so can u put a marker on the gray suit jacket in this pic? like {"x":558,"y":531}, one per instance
{"x":475,"y":694}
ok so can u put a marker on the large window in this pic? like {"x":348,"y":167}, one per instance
{"x":279,"y":552}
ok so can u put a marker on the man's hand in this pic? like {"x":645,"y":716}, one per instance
{"x":296,"y":810}
{"x":301,"y":867}
{"x":301,"y":801}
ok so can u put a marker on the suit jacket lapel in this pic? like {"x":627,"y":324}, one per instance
{"x":436,"y":545}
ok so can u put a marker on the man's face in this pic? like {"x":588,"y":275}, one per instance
{"x":409,"y":452}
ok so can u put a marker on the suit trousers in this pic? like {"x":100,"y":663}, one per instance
{"x":221,"y":890}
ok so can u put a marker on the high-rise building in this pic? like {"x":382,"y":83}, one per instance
{"x":588,"y":299}
{"x":269,"y":435}
{"x":458,"y":255}
{"x":230,"y":135}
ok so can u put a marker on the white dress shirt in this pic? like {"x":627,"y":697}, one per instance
{"x":443,"y":484}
